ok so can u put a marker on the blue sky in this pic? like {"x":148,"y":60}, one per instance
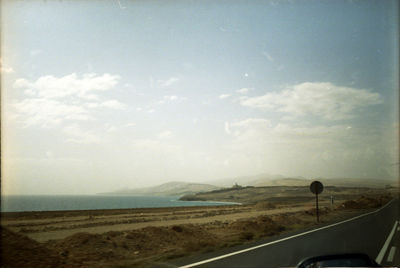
{"x":110,"y":94}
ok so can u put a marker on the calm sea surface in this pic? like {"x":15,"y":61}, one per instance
{"x":83,"y":202}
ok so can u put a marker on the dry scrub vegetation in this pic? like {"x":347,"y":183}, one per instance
{"x":142,"y":237}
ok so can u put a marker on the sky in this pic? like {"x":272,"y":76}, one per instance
{"x":103,"y":95}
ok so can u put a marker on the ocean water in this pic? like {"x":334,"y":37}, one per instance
{"x":20,"y":203}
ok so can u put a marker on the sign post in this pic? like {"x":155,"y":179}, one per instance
{"x":316,"y":188}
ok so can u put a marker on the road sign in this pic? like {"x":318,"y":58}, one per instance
{"x":316,"y":188}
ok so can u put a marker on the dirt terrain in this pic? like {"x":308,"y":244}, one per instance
{"x":141,"y":237}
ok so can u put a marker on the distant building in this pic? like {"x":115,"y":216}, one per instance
{"x":236,"y":185}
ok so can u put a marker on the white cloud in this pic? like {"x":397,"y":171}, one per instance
{"x":112,"y":104}
{"x":243,"y":91}
{"x":171,"y":98}
{"x":318,"y":99}
{"x":130,"y":125}
{"x":52,"y":87}
{"x":258,"y":134}
{"x":46,"y":113}
{"x":76,"y":135}
{"x":151,"y":82}
{"x":174,"y":98}
{"x":51,"y":100}
{"x":227,"y":128}
{"x":35,"y":52}
{"x":155,"y":146}
{"x":4,"y":68}
{"x":249,"y":127}
{"x":168,"y":82}
{"x":224,"y":96}
{"x":250,"y":122}
{"x":226,"y":163}
{"x":111,"y":129}
{"x":255,"y":130}
{"x":165,"y":134}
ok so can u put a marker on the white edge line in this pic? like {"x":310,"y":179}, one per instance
{"x":391,"y":254}
{"x":280,"y":240}
{"x":381,"y":254}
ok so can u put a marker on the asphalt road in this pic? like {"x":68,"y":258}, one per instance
{"x":367,"y":234}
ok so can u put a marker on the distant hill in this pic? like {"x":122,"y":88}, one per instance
{"x":246,"y":180}
{"x":266,"y":179}
{"x":168,"y":189}
{"x":281,"y":182}
{"x":339,"y":182}
{"x":359,"y":182}
{"x":262,"y":180}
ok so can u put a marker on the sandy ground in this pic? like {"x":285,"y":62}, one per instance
{"x":43,"y":230}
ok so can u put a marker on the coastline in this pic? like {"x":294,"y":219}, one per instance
{"x":43,"y":203}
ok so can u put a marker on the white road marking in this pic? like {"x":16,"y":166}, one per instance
{"x":280,"y":240}
{"x":391,"y":254}
{"x":382,"y":253}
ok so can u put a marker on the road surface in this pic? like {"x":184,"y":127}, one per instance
{"x":376,"y":234}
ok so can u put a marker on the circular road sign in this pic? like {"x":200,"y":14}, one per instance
{"x":316,"y":187}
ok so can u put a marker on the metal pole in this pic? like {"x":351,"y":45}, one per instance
{"x":316,"y":202}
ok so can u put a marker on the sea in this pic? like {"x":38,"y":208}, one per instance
{"x":20,"y":203}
